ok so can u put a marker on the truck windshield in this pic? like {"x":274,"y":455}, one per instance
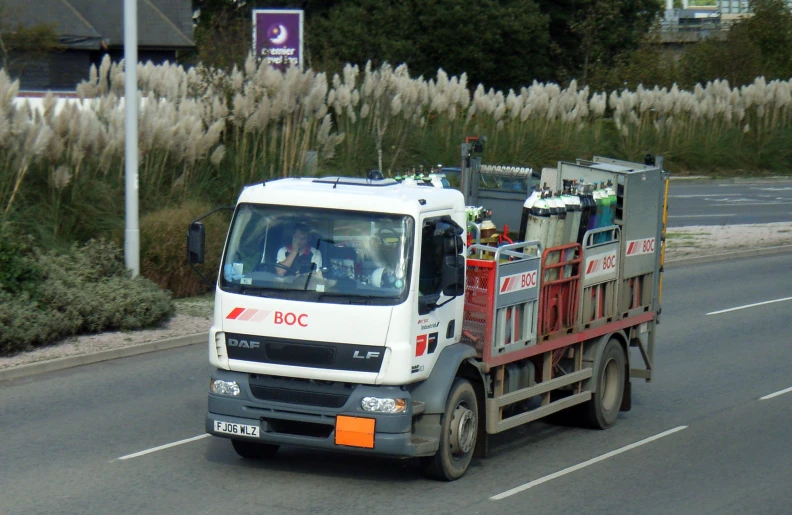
{"x":319,"y":255}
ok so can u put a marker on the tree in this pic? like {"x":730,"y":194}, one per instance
{"x":770,"y":30}
{"x":595,"y":33}
{"x":21,"y":45}
{"x":502,"y":44}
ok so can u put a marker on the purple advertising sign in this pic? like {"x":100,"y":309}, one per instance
{"x":278,"y":36}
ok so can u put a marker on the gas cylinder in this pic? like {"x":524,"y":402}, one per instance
{"x":555,"y":231}
{"x":573,"y":206}
{"x":592,"y":222}
{"x":535,"y":221}
{"x":587,"y":208}
{"x":526,"y":213}
{"x":572,"y":227}
{"x":539,"y":222}
{"x":600,"y":197}
{"x":488,"y":230}
{"x":558,"y":236}
{"x":553,"y":209}
{"x":608,"y":210}
{"x":611,"y":189}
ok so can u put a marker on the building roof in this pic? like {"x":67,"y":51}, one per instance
{"x":89,"y":23}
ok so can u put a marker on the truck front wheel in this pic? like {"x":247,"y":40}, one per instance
{"x":254,"y":450}
{"x":603,"y":408}
{"x":458,"y":435}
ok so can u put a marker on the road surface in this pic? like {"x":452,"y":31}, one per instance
{"x":710,"y":202}
{"x":710,"y":435}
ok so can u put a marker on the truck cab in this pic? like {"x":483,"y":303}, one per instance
{"x":347,"y":331}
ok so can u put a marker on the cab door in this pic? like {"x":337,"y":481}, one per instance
{"x":437,"y":315}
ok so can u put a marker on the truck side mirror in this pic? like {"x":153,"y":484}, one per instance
{"x":453,"y":276}
{"x":196,"y":240}
{"x":452,"y":273}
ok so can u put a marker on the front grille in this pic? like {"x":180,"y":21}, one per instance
{"x":305,"y":398}
{"x":299,"y":353}
{"x":305,"y":353}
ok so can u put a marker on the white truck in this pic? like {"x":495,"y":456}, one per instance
{"x":398,"y":337}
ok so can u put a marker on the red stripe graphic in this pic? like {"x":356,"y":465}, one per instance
{"x":591,"y":267}
{"x":260,"y":315}
{"x":248,"y":314}
{"x":235,"y":313}
{"x":631,"y":248}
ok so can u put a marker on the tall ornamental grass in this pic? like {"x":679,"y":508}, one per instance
{"x":204,"y":133}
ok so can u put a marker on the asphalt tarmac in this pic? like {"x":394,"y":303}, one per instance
{"x":709,"y":435}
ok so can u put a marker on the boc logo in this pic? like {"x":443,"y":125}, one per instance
{"x":291,"y":319}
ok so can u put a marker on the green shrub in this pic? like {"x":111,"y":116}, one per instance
{"x":18,"y":270}
{"x":84,"y":291}
{"x":163,"y":247}
{"x":25,"y":324}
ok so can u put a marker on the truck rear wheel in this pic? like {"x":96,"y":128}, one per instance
{"x":603,"y":408}
{"x":458,"y":434}
{"x":254,"y":450}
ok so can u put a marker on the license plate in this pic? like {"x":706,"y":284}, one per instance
{"x":236,"y":429}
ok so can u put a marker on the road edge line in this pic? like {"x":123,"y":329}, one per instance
{"x":161,"y":447}
{"x":54,"y":365}
{"x":579,"y":466}
{"x":724,"y":256}
{"x":775,"y":394}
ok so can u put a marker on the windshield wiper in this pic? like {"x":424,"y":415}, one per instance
{"x":341,"y":298}
{"x":258,"y":291}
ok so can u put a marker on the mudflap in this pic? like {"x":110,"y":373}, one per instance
{"x":626,"y":403}
{"x":482,"y":438}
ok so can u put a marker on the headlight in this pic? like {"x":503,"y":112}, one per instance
{"x":375,"y":404}
{"x":221,"y":387}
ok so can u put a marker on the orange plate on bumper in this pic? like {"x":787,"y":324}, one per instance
{"x":354,"y":431}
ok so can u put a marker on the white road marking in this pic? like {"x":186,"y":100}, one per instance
{"x":699,"y":216}
{"x":776,"y":394}
{"x":750,"y":306}
{"x":707,"y":195}
{"x":161,"y":447}
{"x":748,"y":203}
{"x":585,"y":464}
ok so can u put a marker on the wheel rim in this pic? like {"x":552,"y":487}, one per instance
{"x":463,"y":430}
{"x":610,"y":385}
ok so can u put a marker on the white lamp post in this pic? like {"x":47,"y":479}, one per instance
{"x":132,"y":231}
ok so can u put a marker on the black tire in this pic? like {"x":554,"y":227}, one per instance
{"x":603,"y":408}
{"x":458,"y":434}
{"x":254,"y":450}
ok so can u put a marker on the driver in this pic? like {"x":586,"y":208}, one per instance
{"x":299,"y":256}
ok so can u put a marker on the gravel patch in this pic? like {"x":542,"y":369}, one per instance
{"x":179,"y":325}
{"x":195,"y":315}
{"x":706,"y":240}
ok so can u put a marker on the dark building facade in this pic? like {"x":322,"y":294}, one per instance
{"x":90,"y":29}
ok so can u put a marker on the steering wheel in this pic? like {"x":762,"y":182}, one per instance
{"x":383,"y":234}
{"x":272,"y":267}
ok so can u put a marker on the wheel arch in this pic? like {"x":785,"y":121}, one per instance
{"x":592,"y":354}
{"x":454,"y":361}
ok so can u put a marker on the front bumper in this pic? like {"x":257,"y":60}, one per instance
{"x":295,"y":419}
